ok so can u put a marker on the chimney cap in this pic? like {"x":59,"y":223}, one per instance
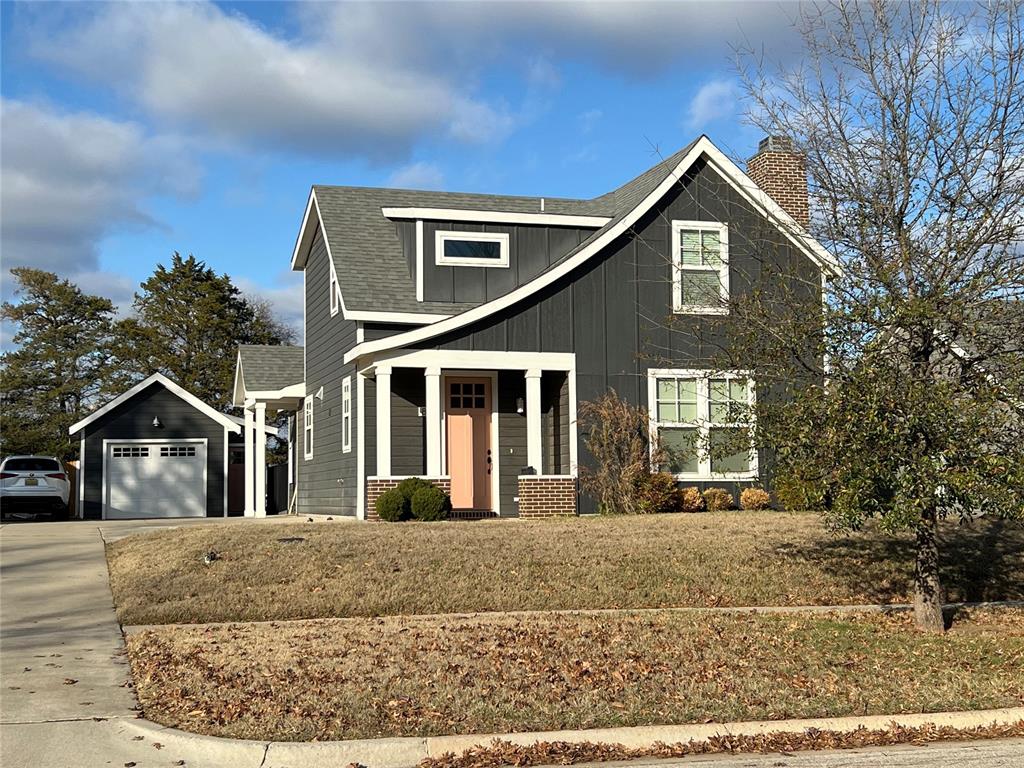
{"x":775,"y":144}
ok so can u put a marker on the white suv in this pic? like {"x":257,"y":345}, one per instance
{"x":33,"y":484}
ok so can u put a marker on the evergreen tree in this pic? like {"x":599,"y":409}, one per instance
{"x":60,"y":364}
{"x":188,"y":324}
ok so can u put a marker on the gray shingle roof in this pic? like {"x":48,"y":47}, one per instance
{"x":271,"y":367}
{"x":368,"y":256}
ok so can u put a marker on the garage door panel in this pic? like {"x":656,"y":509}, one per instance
{"x":156,"y":480}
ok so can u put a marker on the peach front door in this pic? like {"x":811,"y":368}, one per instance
{"x":468,"y":419}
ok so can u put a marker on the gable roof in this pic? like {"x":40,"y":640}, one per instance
{"x":270,"y":367}
{"x":170,"y":386}
{"x":627,"y":204}
{"x":367,"y":254}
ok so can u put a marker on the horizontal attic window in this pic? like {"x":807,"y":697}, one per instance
{"x":471,"y":249}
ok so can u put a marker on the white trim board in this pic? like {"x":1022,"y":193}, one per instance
{"x":702,"y":147}
{"x":170,"y":386}
{"x":496,"y":217}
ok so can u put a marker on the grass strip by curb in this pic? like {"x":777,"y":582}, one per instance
{"x":504,"y":753}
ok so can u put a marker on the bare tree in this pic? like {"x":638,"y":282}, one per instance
{"x":907,"y":408}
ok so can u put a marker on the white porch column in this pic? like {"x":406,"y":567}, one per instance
{"x":432,"y":377}
{"x":383,"y":420}
{"x":534,"y":449}
{"x":250,"y":459}
{"x":260,"y":490}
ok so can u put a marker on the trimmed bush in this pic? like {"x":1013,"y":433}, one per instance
{"x":431,"y":503}
{"x":690,"y":500}
{"x":391,"y":506}
{"x":718,"y":499}
{"x":657,"y":494}
{"x":409,"y":486}
{"x":755,"y":499}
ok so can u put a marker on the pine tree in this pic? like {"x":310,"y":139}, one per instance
{"x":59,"y":367}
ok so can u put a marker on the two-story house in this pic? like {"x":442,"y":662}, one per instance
{"x":453,"y":336}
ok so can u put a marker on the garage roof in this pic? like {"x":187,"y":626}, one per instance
{"x":170,"y":386}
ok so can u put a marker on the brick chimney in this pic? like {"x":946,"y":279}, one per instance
{"x":781,"y":171}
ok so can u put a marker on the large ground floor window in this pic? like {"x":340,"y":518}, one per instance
{"x":701,"y":423}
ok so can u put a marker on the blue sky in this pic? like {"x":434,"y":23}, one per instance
{"x":131,"y":130}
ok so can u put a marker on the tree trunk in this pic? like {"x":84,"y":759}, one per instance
{"x":928,"y":596}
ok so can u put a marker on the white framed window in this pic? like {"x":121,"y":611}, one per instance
{"x":471,"y":249}
{"x":307,"y":427}
{"x":700,"y":267}
{"x":696,"y":417}
{"x":346,"y":414}
{"x":335,"y":292}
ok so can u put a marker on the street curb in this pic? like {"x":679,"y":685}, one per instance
{"x":132,"y":629}
{"x":408,"y":752}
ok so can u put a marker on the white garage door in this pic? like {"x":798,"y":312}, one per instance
{"x":155,"y":480}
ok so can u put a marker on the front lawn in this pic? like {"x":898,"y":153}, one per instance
{"x":338,"y":569}
{"x":406,"y":676}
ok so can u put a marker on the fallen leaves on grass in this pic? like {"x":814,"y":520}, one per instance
{"x":503,"y":753}
{"x":419,"y":676}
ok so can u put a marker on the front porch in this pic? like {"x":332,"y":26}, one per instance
{"x":497,"y":431}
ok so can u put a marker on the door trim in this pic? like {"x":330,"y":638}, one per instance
{"x":158,"y":441}
{"x":496,"y":445}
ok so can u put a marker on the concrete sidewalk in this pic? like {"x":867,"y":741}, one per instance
{"x":65,"y":701}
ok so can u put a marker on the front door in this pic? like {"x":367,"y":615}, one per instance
{"x":468,"y":437}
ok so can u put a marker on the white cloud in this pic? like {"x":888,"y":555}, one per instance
{"x":70,"y":178}
{"x":418,"y":175}
{"x":590,"y":119}
{"x":715,"y":100}
{"x":285,"y":296}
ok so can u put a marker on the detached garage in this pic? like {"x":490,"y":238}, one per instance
{"x":156,"y":451}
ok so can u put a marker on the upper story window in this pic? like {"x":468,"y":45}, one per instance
{"x":471,"y":249}
{"x":335,"y":292}
{"x":702,"y":422}
{"x":700,"y":267}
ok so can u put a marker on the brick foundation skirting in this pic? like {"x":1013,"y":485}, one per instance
{"x":375,"y":486}
{"x":547,"y":495}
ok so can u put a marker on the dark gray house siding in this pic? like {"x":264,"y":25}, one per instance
{"x":327,"y":483}
{"x":532,"y":249}
{"x":614,"y":312}
{"x":133,"y":420}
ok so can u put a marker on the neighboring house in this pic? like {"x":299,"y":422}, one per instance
{"x":156,"y":451}
{"x":453,"y":336}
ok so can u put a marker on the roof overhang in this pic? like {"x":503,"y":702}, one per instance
{"x":496,"y":217}
{"x":157,"y":378}
{"x":759,"y":199}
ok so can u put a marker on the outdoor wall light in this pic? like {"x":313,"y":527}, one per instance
{"x":156,"y":422}
{"x":520,"y":406}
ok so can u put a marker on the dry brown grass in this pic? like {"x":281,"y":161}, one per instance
{"x":405,"y":676}
{"x":724,"y":558}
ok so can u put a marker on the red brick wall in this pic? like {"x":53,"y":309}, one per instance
{"x":375,"y":486}
{"x":783,"y":175}
{"x":541,"y":496}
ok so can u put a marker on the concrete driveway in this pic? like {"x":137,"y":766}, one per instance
{"x":65,"y":699}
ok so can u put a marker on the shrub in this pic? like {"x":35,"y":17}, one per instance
{"x":616,"y":434}
{"x":755,"y":498}
{"x":657,"y":494}
{"x":409,"y":486}
{"x":431,"y":503}
{"x":690,"y":500}
{"x":391,"y":506}
{"x":718,"y":499}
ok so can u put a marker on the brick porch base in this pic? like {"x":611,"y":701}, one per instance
{"x":547,"y":495}
{"x":375,"y":486}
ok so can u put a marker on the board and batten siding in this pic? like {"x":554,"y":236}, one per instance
{"x":327,"y":483}
{"x":532,"y":249}
{"x":133,"y":420}
{"x":614,"y":311}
